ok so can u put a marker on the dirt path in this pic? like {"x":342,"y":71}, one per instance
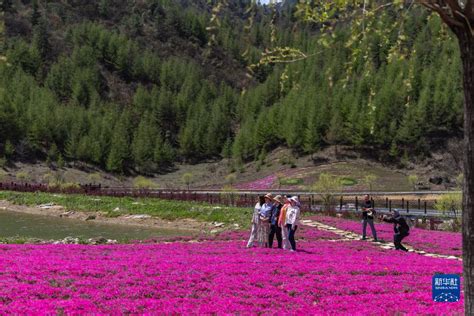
{"x":141,"y":220}
{"x":348,"y":235}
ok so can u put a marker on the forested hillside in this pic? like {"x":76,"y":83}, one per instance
{"x":140,"y":85}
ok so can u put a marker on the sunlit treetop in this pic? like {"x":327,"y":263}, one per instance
{"x":457,"y":14}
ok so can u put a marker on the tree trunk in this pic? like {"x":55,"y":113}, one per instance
{"x":466,"y":43}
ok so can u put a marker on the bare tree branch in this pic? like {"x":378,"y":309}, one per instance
{"x":454,"y":5}
{"x":469,"y":8}
{"x":443,"y":13}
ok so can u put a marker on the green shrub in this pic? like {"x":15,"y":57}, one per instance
{"x":3,"y":162}
{"x":95,"y":177}
{"x":291,"y":181}
{"x":348,"y":181}
{"x":143,"y":183}
{"x":450,"y":202}
{"x":187,"y":178}
{"x":22,"y":175}
{"x":327,"y":186}
{"x":3,"y":175}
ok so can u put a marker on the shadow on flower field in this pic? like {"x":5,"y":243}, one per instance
{"x":326,"y":276}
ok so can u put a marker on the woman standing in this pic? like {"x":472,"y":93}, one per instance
{"x":255,"y":221}
{"x":292,"y":219}
{"x":275,"y":229}
{"x":264,"y":220}
{"x":282,"y":223}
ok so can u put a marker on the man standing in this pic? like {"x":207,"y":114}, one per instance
{"x":368,"y":214}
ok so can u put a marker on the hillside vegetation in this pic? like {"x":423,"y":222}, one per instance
{"x":140,"y":85}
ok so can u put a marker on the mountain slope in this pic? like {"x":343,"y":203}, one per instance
{"x":136,"y":86}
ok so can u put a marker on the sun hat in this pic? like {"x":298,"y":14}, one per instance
{"x":278,"y":199}
{"x":294,"y":199}
{"x":269,"y":196}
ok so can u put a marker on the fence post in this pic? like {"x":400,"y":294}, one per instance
{"x":390,"y":205}
{"x":386,"y":202}
{"x":419,"y":204}
{"x":403,"y":202}
{"x":408,"y":207}
{"x":357,"y":204}
{"x":340,"y":204}
{"x":425,"y":206}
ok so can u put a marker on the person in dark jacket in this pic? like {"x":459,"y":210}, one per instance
{"x":274,"y":228}
{"x":400,"y":227}
{"x":368,"y":214}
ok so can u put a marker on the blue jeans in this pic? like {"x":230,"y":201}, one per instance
{"x":291,"y":235}
{"x":370,"y":221}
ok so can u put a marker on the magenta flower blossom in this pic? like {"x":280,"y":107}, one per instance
{"x":260,"y":184}
{"x":327,"y":276}
{"x":443,"y":243}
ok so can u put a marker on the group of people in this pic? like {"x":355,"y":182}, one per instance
{"x":400,"y":226}
{"x":279,"y":216}
{"x":275,"y":216}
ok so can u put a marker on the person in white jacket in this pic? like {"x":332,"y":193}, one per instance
{"x":255,"y":221}
{"x":292,"y":220}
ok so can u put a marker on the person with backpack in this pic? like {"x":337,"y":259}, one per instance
{"x":275,"y":229}
{"x":368,"y":215}
{"x":400,"y":227}
{"x":255,"y":221}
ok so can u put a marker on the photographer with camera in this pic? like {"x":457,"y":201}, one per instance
{"x":400,"y":227}
{"x":368,"y":215}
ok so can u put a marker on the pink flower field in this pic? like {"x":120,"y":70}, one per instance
{"x":444,"y":243}
{"x":260,"y":184}
{"x":325,"y":276}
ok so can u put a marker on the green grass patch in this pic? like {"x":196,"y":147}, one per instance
{"x":348,"y":181}
{"x":116,"y":206}
{"x":291,"y":181}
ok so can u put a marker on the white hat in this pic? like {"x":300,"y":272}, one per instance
{"x":294,"y":199}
